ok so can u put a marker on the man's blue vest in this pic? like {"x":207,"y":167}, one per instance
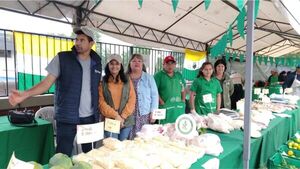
{"x":68,"y":86}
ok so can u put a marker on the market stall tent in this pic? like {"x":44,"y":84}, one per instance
{"x":155,"y":24}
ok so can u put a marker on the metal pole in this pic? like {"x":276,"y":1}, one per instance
{"x":248,"y":83}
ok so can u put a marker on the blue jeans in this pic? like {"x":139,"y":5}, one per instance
{"x":124,"y":134}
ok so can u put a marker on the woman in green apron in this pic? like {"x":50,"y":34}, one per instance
{"x":205,"y":96}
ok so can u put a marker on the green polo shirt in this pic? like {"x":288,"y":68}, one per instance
{"x":169,"y":88}
{"x":203,"y":88}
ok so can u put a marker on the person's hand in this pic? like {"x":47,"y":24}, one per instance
{"x":193,"y":111}
{"x":119,"y":118}
{"x":16,"y":97}
{"x":161,"y":102}
{"x":151,"y":119}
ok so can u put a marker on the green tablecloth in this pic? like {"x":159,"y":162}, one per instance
{"x":28,"y":143}
{"x":277,"y":133}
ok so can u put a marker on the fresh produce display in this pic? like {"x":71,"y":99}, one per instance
{"x":158,"y":152}
{"x":60,"y":160}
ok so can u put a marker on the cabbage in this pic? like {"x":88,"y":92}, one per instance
{"x":61,"y":160}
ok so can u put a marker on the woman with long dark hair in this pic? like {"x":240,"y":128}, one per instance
{"x":117,"y":97}
{"x":205,"y":96}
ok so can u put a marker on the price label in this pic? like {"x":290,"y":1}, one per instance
{"x":112,"y":125}
{"x":207,"y":98}
{"x":159,"y":114}
{"x":265,"y":91}
{"x":257,"y":91}
{"x":15,"y":163}
{"x":89,"y":133}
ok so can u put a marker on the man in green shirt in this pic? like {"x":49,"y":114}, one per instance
{"x":171,"y":89}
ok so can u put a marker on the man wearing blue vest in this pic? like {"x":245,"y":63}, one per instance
{"x":76,"y":75}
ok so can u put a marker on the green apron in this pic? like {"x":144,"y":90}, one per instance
{"x":173,"y":111}
{"x":274,"y":80}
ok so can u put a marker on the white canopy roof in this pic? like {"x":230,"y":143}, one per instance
{"x":157,"y":25}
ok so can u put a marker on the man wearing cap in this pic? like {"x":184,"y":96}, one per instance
{"x":76,"y":75}
{"x":171,"y":89}
{"x":293,"y":81}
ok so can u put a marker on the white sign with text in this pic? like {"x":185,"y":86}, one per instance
{"x":257,"y":91}
{"x":265,"y":91}
{"x":89,"y":133}
{"x":159,"y":114}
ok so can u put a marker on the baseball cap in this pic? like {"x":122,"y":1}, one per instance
{"x":86,"y":30}
{"x":169,"y":58}
{"x":115,"y":57}
{"x":298,"y":66}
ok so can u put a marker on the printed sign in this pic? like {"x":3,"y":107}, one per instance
{"x":89,"y":133}
{"x":257,"y":91}
{"x":15,"y":163}
{"x":112,"y":125}
{"x":265,"y":91}
{"x":207,"y":98}
{"x":159,"y":114}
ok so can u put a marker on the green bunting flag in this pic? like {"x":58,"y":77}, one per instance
{"x":227,"y":56}
{"x":234,"y":55}
{"x":259,"y":59}
{"x":174,"y":4}
{"x":241,"y":22}
{"x":271,"y":60}
{"x":242,"y":56}
{"x":223,"y":43}
{"x":140,"y":3}
{"x":266,"y":60}
{"x":254,"y":59}
{"x":277,"y":59}
{"x":256,"y":9}
{"x":282,"y":60}
{"x":240,"y":4}
{"x":207,"y":3}
{"x":229,"y":34}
